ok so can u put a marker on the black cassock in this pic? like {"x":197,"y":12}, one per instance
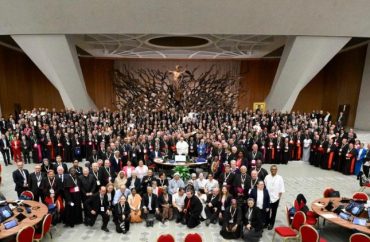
{"x":73,"y":210}
{"x":193,"y":208}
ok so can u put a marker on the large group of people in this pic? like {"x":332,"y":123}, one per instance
{"x":120,"y":179}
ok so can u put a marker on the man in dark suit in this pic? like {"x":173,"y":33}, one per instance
{"x":227,"y":178}
{"x":94,"y":157}
{"x":36,"y":180}
{"x":147,"y":180}
{"x":5,"y":149}
{"x":253,"y":156}
{"x":21,"y":178}
{"x":26,"y":149}
{"x":213,"y":206}
{"x":149,"y":203}
{"x":98,"y":205}
{"x":61,"y":177}
{"x":58,"y":163}
{"x":116,"y":162}
{"x":106,"y":173}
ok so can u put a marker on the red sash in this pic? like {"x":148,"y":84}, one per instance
{"x":330,"y":160}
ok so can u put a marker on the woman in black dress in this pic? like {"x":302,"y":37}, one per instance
{"x":121,"y":215}
{"x":252,"y":222}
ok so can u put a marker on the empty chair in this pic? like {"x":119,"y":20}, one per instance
{"x":307,"y":233}
{"x":291,"y":232}
{"x":25,"y":234}
{"x":166,"y":238}
{"x":46,"y":224}
{"x":358,"y":237}
{"x":360,"y":196}
{"x":193,"y":238}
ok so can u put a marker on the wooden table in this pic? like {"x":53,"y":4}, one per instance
{"x":37,"y":209}
{"x":318,"y":206}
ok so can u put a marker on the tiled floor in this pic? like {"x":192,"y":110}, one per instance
{"x":298,"y":176}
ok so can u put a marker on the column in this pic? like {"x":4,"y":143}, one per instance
{"x":363,"y":106}
{"x":302,"y":59}
{"x":56,"y":57}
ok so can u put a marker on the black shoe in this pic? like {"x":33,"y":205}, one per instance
{"x":270,"y":227}
{"x":177,"y":221}
{"x":265,"y":226}
{"x":105,"y":229}
{"x":207,"y":222}
{"x":214,"y":221}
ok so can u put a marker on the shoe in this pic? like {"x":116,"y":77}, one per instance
{"x":105,"y":229}
{"x":207,"y":222}
{"x":270,"y":227}
{"x":177,"y":221}
{"x":214,"y":221}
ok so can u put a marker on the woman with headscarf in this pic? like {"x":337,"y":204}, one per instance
{"x":121,"y":179}
{"x":252,"y":222}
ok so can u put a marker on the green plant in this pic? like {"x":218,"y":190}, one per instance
{"x":184,"y":172}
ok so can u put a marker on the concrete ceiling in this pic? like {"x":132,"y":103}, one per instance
{"x":246,"y":17}
{"x":216,"y":46}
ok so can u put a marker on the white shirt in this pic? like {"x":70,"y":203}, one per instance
{"x":141,"y":171}
{"x":274,"y":185}
{"x":179,"y":200}
{"x":260,"y":197}
{"x":182,"y":148}
{"x":307,"y":143}
{"x":210,"y":185}
{"x":201,"y":183}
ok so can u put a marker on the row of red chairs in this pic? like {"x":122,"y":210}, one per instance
{"x":189,"y":238}
{"x":28,"y":234}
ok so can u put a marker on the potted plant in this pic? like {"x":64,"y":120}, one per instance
{"x":184,"y":172}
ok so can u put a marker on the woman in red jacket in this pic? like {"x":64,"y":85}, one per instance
{"x":16,"y":148}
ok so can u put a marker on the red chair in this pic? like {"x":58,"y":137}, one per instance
{"x":307,"y":233}
{"x":166,"y":238}
{"x":358,"y":237}
{"x":291,"y":232}
{"x":46,"y":225}
{"x":311,"y":217}
{"x":193,"y":238}
{"x":27,"y":194}
{"x":360,"y":196}
{"x":328,"y":191}
{"x":25,"y":234}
